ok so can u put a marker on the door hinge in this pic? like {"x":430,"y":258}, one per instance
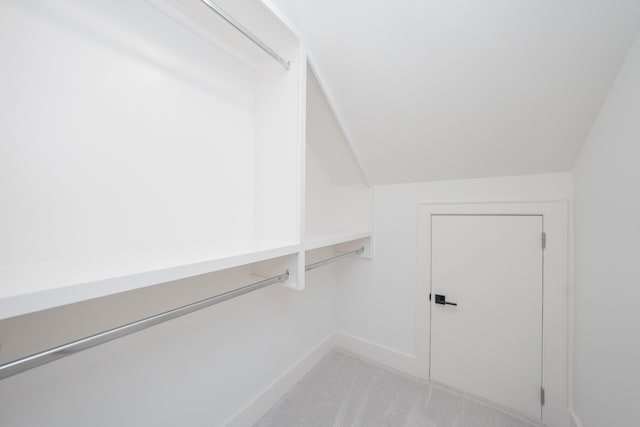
{"x":544,"y":240}
{"x":429,"y":297}
{"x":542,"y":395}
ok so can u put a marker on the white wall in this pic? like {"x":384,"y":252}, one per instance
{"x":107,"y":116}
{"x":377,"y":298}
{"x":607,"y":278}
{"x":198,"y":370}
{"x":338,"y":198}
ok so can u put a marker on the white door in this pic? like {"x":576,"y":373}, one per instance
{"x":490,"y":343}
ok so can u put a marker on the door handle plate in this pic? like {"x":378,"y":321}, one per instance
{"x":442,"y":300}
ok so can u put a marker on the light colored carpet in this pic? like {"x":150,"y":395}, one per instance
{"x":345,"y":390}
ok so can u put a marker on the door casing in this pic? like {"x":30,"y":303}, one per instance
{"x":555,"y":300}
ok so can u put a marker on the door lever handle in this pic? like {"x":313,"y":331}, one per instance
{"x":441,"y":299}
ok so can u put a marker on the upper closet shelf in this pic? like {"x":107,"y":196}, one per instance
{"x":30,"y":288}
{"x":324,"y":240}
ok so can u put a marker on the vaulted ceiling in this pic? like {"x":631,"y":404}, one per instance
{"x":445,"y":89}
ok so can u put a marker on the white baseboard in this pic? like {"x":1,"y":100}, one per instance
{"x":268,"y":397}
{"x":575,"y":421}
{"x":403,"y":362}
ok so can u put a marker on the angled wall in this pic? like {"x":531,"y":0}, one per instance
{"x":607,"y":279}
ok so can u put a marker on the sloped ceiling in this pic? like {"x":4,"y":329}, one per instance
{"x":446,"y":89}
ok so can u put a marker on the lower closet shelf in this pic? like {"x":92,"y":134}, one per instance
{"x":29,"y":288}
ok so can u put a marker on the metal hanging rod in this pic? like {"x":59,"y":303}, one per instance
{"x":248,"y":34}
{"x":333,"y":259}
{"x":35,"y":360}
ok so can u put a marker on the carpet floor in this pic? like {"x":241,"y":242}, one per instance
{"x":345,"y":390}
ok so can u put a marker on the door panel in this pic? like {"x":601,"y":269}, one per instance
{"x":490,"y":344}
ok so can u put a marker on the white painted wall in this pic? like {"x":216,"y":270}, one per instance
{"x":198,"y":370}
{"x":338,"y":198}
{"x":607,"y":278}
{"x":377,"y":298}
{"x":114,"y":128}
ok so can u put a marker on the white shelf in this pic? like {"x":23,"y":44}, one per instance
{"x":330,"y":239}
{"x":28,"y":288}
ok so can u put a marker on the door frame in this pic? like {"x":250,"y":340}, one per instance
{"x":555,"y":291}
